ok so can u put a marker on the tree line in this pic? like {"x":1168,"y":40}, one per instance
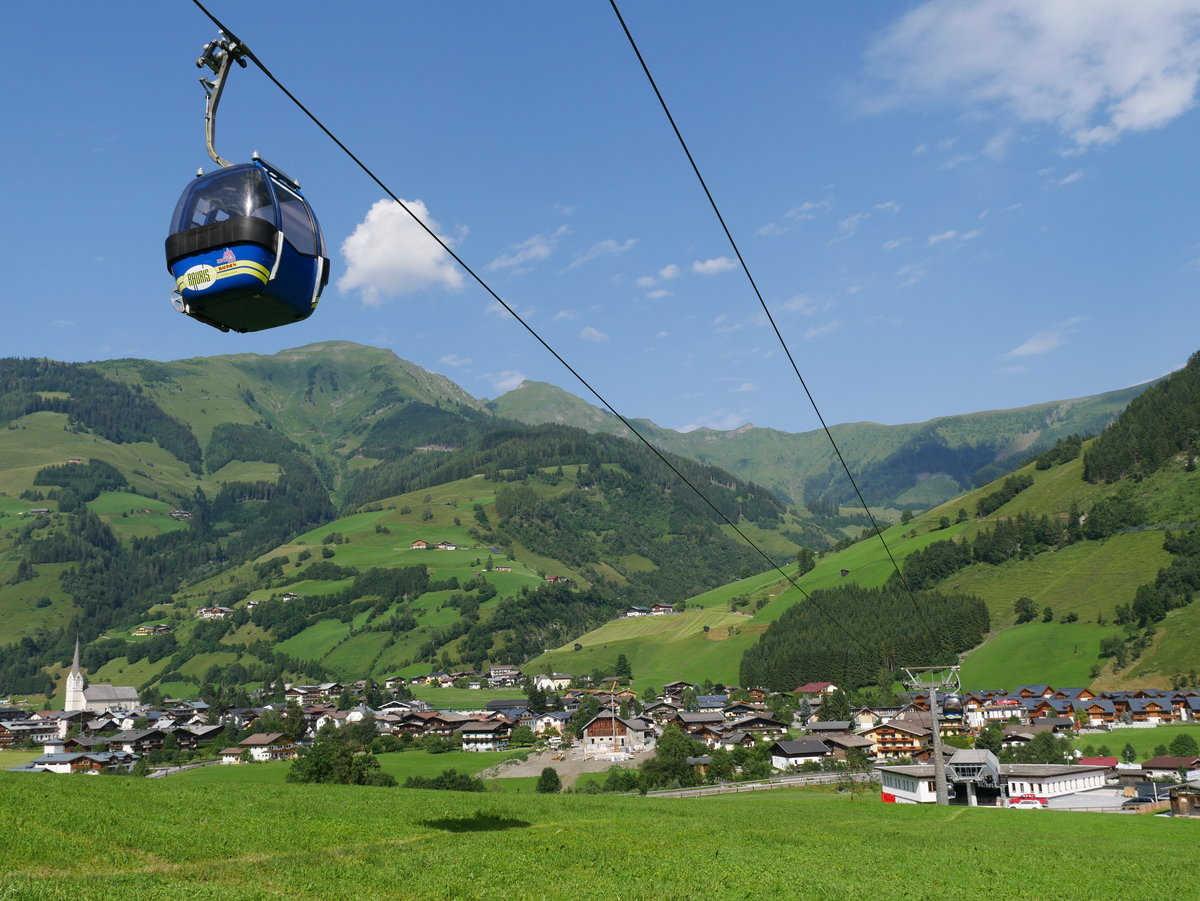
{"x":1160,"y":424}
{"x":107,"y":407}
{"x":879,"y":631}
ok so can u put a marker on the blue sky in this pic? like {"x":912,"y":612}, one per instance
{"x":949,"y":207}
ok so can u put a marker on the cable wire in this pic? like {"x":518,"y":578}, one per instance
{"x":529,"y":328}
{"x":770,"y":318}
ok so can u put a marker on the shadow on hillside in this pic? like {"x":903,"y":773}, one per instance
{"x":480,"y":822}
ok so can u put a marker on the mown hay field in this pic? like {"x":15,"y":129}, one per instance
{"x":116,"y":838}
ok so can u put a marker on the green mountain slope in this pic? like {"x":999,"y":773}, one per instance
{"x":1084,"y":583}
{"x":914,"y":466}
{"x":134,"y":492}
{"x":232,"y":502}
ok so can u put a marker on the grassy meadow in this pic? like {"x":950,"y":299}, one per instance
{"x":1144,"y":741}
{"x":118,"y":838}
{"x":400,"y":764}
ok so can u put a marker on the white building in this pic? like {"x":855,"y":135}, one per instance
{"x":915,"y":784}
{"x":97,"y":698}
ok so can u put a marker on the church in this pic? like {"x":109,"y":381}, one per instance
{"x":96,"y":698}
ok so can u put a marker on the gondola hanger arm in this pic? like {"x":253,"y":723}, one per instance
{"x":218,"y":56}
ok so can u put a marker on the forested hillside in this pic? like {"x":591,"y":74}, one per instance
{"x":148,"y":527}
{"x":1160,"y":424}
{"x":856,"y":636}
{"x":134,"y":492}
{"x":914,"y":466}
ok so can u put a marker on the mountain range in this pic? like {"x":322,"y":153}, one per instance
{"x":134,"y":492}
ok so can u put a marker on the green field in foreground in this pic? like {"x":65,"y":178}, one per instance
{"x":120,"y":838}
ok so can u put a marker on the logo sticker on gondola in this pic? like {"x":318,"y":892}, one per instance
{"x":226,"y":257}
{"x":199,"y":277}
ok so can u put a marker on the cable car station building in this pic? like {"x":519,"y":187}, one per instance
{"x":978,"y":777}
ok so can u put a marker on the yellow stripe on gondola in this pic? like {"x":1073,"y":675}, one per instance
{"x":241,"y":267}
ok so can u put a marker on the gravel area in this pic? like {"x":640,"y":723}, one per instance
{"x":576,"y":764}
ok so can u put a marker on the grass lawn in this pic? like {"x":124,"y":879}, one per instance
{"x":171,"y":838}
{"x":1144,"y":741}
{"x":400,"y":764}
{"x":9,"y":759}
{"x":462,"y":698}
{"x":1058,"y":654}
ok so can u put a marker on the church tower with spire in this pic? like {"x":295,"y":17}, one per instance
{"x":75,"y":699}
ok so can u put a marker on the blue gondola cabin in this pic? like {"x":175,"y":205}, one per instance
{"x":246,"y":250}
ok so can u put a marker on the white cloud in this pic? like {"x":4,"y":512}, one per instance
{"x":997,"y":146}
{"x":942,"y":236}
{"x":658,"y":293}
{"x":744,"y":386}
{"x":820,"y":331}
{"x":895,"y":242}
{"x":454,"y":360}
{"x":665,"y":274}
{"x":602,"y":249}
{"x":889,"y":206}
{"x":1045,"y":340}
{"x":720,"y":420}
{"x":955,"y":161}
{"x":1070,"y":179}
{"x":389,"y":254}
{"x":713,"y":266}
{"x":848,"y":226}
{"x":801,"y":303}
{"x":810,"y":209}
{"x":506,"y":380}
{"x":973,"y":233}
{"x":531,"y":250}
{"x":1092,"y":69}
{"x":911,"y":273}
{"x":63,"y":323}
{"x":587,"y":333}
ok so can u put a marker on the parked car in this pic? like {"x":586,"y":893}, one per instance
{"x":1137,"y":802}
{"x":1027,"y":802}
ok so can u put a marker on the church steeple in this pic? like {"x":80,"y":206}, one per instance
{"x":75,"y":699}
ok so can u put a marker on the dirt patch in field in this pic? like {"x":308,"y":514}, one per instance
{"x":576,"y":764}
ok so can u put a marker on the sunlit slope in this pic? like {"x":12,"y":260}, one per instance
{"x":1087,"y":579}
{"x":914,"y":464}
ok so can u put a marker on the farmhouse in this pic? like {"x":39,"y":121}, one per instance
{"x":269,"y":746}
{"x":786,"y":755}
{"x":1169,"y":767}
{"x":895,"y":739}
{"x":608,"y":732}
{"x":491,"y":735}
{"x":552,"y":681}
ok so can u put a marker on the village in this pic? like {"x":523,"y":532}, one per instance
{"x":809,"y":730}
